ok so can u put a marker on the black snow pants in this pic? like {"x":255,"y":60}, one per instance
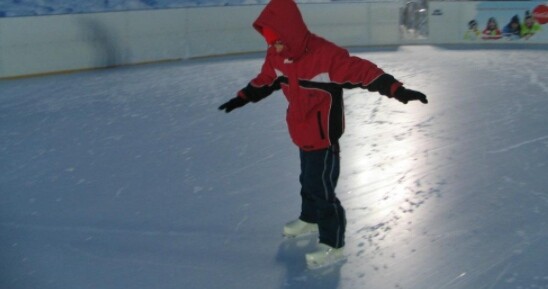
{"x":319,"y":175}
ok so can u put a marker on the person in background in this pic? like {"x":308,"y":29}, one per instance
{"x":491,"y":31}
{"x":312,"y":73}
{"x":473,"y":32}
{"x":512,"y":30}
{"x":529,"y":27}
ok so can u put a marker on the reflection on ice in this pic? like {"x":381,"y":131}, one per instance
{"x":386,"y":174}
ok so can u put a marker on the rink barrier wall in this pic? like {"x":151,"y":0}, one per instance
{"x":49,"y":44}
{"x":44,"y":44}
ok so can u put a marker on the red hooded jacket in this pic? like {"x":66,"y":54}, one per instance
{"x":312,"y":73}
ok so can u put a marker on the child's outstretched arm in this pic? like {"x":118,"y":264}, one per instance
{"x":352,"y":71}
{"x":260,"y":87}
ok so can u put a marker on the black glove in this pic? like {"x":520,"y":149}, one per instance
{"x":405,"y":95}
{"x":233,"y":104}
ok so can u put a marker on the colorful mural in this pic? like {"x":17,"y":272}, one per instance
{"x":512,"y":21}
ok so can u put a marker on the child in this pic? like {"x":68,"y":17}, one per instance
{"x":491,"y":31}
{"x":512,"y":30}
{"x":473,"y":32}
{"x":312,"y":73}
{"x":529,"y":27}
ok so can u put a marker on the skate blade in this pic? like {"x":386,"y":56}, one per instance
{"x":289,"y":236}
{"x":313,"y":266}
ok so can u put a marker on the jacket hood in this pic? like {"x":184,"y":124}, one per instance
{"x":515,"y":19}
{"x":284,"y":18}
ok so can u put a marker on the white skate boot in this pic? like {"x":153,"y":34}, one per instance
{"x":324,"y":256}
{"x":298,"y":227}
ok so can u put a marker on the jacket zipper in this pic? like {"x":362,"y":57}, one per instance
{"x":319,"y":115}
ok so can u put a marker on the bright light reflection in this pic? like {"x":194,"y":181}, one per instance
{"x":383,"y":168}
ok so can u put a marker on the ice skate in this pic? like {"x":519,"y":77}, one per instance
{"x":324,"y":256}
{"x":298,"y":228}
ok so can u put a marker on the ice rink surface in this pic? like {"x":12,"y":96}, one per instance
{"x":131,"y":178}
